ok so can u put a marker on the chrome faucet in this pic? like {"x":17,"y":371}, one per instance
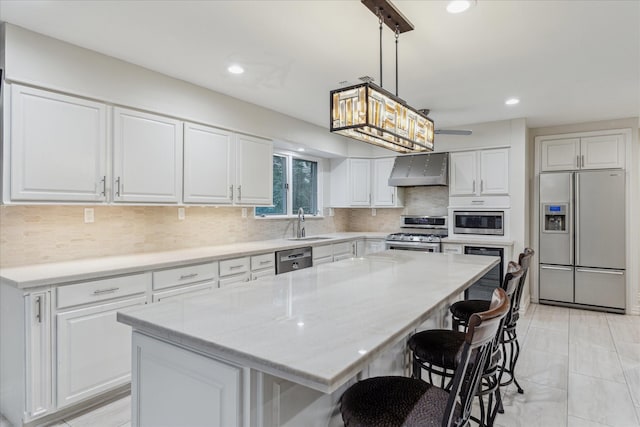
{"x":300,"y":230}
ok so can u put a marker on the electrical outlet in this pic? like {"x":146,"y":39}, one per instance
{"x":88,"y":215}
{"x":244,"y":212}
{"x":181,"y":214}
{"x":373,"y":212}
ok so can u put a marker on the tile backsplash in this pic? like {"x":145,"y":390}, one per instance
{"x":40,"y":234}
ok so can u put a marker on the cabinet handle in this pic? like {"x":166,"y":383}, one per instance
{"x":477,"y":202}
{"x":239,"y":192}
{"x":617,"y":273}
{"x":233,"y":267}
{"x":582,"y":160}
{"x":481,"y":185}
{"x":369,"y":199}
{"x":104,"y":186}
{"x":118,"y":187}
{"x":392,"y":198}
{"x":39,"y":309}
{"x":474,"y":186}
{"x":231,"y":189}
{"x":104,"y":291}
{"x":578,"y":161}
{"x":555,"y":268}
{"x":265,"y":262}
{"x":188,"y":276}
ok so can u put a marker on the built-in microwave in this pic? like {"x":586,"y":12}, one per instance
{"x":479,"y":222}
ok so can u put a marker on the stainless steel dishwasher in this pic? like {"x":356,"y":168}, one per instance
{"x":293,"y":259}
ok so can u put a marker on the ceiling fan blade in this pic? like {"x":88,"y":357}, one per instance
{"x":452,"y":132}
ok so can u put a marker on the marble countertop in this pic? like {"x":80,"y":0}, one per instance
{"x":319,"y":326}
{"x":93,"y":268}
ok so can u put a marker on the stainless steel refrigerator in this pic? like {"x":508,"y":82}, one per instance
{"x":582,"y":239}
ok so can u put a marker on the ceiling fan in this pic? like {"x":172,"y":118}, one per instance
{"x":425,"y":111}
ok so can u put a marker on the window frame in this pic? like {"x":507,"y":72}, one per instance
{"x":289,"y":156}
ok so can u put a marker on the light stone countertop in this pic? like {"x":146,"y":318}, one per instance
{"x":319,"y":326}
{"x":30,"y":276}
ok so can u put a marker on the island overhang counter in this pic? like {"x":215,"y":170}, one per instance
{"x":318,"y":328}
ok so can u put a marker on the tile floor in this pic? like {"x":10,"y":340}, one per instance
{"x":578,"y":368}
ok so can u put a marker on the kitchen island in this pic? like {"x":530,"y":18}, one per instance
{"x":282,"y":351}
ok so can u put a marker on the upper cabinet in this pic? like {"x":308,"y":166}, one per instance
{"x":58,"y":147}
{"x":221,"y":167}
{"x":357,"y":182}
{"x":479,"y":173}
{"x":589,"y":152}
{"x":147,"y":157}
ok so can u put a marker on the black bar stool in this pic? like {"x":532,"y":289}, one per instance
{"x":399,"y":401}
{"x":462,"y":310}
{"x":434,"y":352}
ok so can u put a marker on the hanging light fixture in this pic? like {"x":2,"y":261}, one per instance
{"x":369,"y":113}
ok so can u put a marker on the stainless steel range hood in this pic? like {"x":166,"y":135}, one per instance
{"x":420,"y":169}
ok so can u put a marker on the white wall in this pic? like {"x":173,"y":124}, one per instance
{"x":39,"y":60}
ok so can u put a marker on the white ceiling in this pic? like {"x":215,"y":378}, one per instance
{"x":568,"y":61}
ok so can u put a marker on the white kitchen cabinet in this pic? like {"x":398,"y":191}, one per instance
{"x":235,"y":270}
{"x":58,"y":147}
{"x":358,"y":182}
{"x":479,"y":173}
{"x":39,"y":353}
{"x":263,"y":265}
{"x":589,"y":152}
{"x":383,"y":194}
{"x":372,"y":246}
{"x":221,"y":167}
{"x":452,"y":248}
{"x":93,"y":350}
{"x":165,"y":371}
{"x":147,"y":157}
{"x":179,"y":282}
{"x":185,"y":291}
{"x":209,"y":156}
{"x":344,"y":250}
{"x":322,"y":254}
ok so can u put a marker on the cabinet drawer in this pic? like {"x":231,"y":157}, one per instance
{"x":449,"y":248}
{"x":255,"y":275}
{"x":259,"y":262}
{"x":184,"y":275}
{"x":185,"y":291}
{"x":238,"y":278}
{"x":101,"y":290}
{"x":342,"y":248}
{"x":322,"y":252}
{"x":323,"y":260}
{"x":229,"y":267}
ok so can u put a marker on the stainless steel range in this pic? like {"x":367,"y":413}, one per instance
{"x":420,"y":233}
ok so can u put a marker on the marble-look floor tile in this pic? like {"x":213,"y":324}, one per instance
{"x":596,"y":362}
{"x":540,"y":405}
{"x":602,"y":401}
{"x":625,"y":330}
{"x":629,"y":353}
{"x":581,"y":422}
{"x":114,"y":414}
{"x":585,"y":333}
{"x":632,"y":377}
{"x":551,"y":317}
{"x":548,"y":340}
{"x":591,"y":318}
{"x":543,"y":368}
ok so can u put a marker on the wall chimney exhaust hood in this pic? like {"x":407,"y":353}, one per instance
{"x":420,"y":169}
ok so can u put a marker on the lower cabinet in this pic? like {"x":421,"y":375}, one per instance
{"x":185,"y":291}
{"x":93,"y":350}
{"x":372,"y":246}
{"x":164,"y":372}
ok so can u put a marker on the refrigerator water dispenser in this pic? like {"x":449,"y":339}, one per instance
{"x":555,"y":218}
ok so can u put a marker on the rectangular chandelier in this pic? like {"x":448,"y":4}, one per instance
{"x":369,"y":113}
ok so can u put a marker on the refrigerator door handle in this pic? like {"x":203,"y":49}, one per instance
{"x":577,"y":220}
{"x":546,"y":267}
{"x":591,"y":270}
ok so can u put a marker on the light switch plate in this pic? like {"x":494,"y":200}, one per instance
{"x":89,"y":216}
{"x":181,"y":214}
{"x":373,"y":212}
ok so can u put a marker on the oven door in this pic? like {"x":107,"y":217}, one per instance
{"x":483,"y":223}
{"x":413,"y":246}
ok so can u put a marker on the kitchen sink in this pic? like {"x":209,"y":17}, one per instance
{"x":306,"y":239}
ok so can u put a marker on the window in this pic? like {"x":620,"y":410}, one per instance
{"x":300,"y":175}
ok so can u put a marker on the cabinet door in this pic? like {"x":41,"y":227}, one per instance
{"x":254,"y":171}
{"x":39,"y":391}
{"x":93,"y":351}
{"x":560,"y":154}
{"x":208,"y":160}
{"x":494,"y":172}
{"x":374,"y":245}
{"x":383,"y":194}
{"x":602,"y":152}
{"x":147,"y":158}
{"x":58,"y":147}
{"x":360,"y":182}
{"x":463,"y":173}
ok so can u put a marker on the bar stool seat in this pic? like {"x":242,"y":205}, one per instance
{"x":446,"y":342}
{"x":395,"y":401}
{"x":462,"y":310}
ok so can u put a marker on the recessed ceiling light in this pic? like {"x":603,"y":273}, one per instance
{"x":235,"y":69}
{"x":301,"y":149}
{"x":459,"y":6}
{"x":512,"y":101}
